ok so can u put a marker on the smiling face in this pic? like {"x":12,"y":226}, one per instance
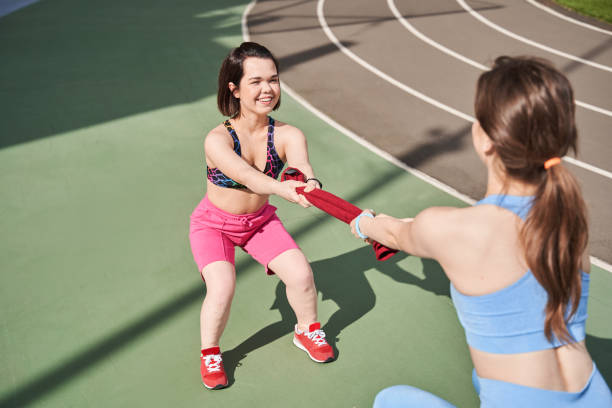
{"x":259,"y":88}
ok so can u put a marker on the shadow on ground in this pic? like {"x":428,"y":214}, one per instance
{"x":70,"y":64}
{"x":601,"y":352}
{"x":329,"y":275}
{"x":341,"y":279}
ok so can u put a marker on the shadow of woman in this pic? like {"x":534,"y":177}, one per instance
{"x":341,"y":279}
{"x":601,"y":352}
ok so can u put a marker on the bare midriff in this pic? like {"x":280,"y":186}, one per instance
{"x":566,"y":368}
{"x":234,"y":200}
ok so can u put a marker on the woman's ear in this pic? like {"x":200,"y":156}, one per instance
{"x":482,"y":139}
{"x":487,"y":145}
{"x":234,"y":90}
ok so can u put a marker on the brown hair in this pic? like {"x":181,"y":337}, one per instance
{"x":527,"y":108}
{"x":232,"y":71}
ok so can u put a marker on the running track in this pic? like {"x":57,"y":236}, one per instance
{"x":401,"y":75}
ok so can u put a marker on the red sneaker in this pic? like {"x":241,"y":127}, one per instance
{"x":211,"y":367}
{"x":313,"y":342}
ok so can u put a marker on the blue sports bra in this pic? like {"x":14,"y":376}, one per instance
{"x":511,"y":320}
{"x":274,"y":165}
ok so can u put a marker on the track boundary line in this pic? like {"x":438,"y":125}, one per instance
{"x":567,"y":18}
{"x":461,"y":57}
{"x":380,"y":73}
{"x":379,"y":152}
{"x":331,"y":36}
{"x":525,"y":40}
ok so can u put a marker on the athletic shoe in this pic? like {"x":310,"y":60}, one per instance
{"x":313,"y":342}
{"x":211,"y":367}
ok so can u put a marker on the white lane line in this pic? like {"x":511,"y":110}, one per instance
{"x":381,"y":74}
{"x":593,"y":108}
{"x":384,"y":155}
{"x":564,"y":17}
{"x":363,"y":142}
{"x":360,"y":140}
{"x":602,"y":264}
{"x":431,"y":42}
{"x":502,"y":30}
{"x":588,"y":167}
{"x":243,"y":22}
{"x":467,"y":60}
{"x":416,"y":93}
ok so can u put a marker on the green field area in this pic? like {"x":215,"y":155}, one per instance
{"x":600,"y":9}
{"x":101,"y":164}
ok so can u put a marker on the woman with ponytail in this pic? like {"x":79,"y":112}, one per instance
{"x":517,"y":260}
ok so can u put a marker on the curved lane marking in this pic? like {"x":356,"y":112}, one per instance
{"x":467,"y":60}
{"x":376,"y":71}
{"x":379,"y":152}
{"x":517,"y":37}
{"x":420,"y":95}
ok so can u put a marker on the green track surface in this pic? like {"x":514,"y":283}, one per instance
{"x":104,"y":111}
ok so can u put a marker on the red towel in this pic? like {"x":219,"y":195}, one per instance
{"x":336,"y":207}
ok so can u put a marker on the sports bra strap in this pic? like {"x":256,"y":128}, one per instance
{"x":234,"y":136}
{"x":520,"y":205}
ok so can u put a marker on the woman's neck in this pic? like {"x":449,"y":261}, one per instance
{"x":499,"y":182}
{"x":250,"y":122}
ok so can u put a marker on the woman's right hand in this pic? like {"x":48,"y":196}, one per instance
{"x":286,"y":190}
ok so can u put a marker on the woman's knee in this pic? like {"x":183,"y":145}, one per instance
{"x":302,"y":279}
{"x":220,"y":280}
{"x":293,"y":269}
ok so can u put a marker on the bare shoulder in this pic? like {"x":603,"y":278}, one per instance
{"x":444,"y":232}
{"x":218,"y":131}
{"x":216,"y":136}
{"x":468,"y":223}
{"x":286,"y":130}
{"x":216,"y":142}
{"x":444,"y":220}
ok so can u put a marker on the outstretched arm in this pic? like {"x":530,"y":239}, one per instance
{"x":422,"y":236}
{"x":296,"y":150}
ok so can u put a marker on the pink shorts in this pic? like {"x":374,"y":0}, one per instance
{"x":213,"y":234}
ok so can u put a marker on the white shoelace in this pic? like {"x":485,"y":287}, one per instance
{"x":317,"y":336}
{"x":213,"y":362}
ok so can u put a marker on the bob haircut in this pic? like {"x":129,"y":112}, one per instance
{"x":232,"y":71}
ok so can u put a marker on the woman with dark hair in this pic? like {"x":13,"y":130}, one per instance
{"x":235,"y":210}
{"x":517,"y":260}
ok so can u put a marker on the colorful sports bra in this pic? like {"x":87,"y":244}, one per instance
{"x":274,"y":165}
{"x":511,"y":320}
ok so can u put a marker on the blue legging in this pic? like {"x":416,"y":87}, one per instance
{"x":500,"y":394}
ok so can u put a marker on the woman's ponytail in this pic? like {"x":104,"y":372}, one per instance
{"x":554,"y":238}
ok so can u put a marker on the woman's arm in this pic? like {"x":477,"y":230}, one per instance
{"x":422,"y":236}
{"x":219,"y":150}
{"x":296,"y":151}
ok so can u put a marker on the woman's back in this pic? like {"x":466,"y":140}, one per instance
{"x":487,"y":263}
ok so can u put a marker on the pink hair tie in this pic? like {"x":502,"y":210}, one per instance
{"x":551,"y":162}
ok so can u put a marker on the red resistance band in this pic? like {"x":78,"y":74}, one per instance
{"x":336,"y":207}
